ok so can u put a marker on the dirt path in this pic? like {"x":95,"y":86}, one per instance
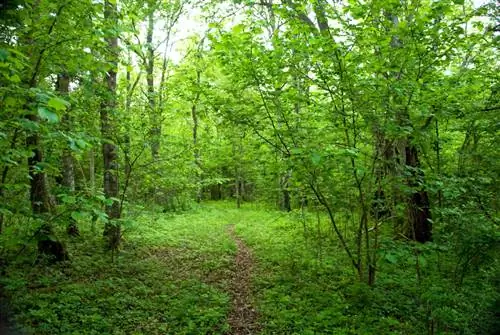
{"x":243,"y":316}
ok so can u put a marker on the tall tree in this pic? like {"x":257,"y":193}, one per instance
{"x":108,"y":111}
{"x":150,"y":72}
{"x":68,"y":170}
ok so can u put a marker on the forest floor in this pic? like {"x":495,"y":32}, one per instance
{"x":212,"y":270}
{"x":243,"y":315}
{"x":183,"y":273}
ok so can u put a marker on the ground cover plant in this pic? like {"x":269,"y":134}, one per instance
{"x":174,"y":273}
{"x":249,"y":167}
{"x":171,"y":277}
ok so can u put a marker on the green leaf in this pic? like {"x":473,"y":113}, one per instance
{"x":239,"y":28}
{"x":29,"y":125}
{"x":77,"y":215}
{"x":58,"y":104}
{"x":68,"y":199}
{"x":10,"y":102}
{"x":391,"y":258}
{"x":47,"y":115}
{"x":81,"y":144}
{"x":316,"y":158}
{"x":4,"y":54}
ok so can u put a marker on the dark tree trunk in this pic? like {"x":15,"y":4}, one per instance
{"x":237,"y":190}
{"x":39,"y":187}
{"x":40,"y":197}
{"x":401,"y":155}
{"x":419,"y":215}
{"x":109,"y":150}
{"x":216,"y":192}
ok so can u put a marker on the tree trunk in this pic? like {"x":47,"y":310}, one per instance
{"x":419,"y":215}
{"x":150,"y":60}
{"x":39,"y":187}
{"x":92,"y":170}
{"x":418,"y":225}
{"x":285,"y":203}
{"x":109,"y":150}
{"x":196,"y":149}
{"x":68,"y":170}
{"x":40,"y":197}
{"x":237,"y":192}
{"x":237,"y":154}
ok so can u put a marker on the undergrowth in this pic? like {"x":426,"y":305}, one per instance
{"x":304,"y":283}
{"x":172,"y":276}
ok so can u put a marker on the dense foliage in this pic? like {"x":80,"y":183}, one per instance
{"x":359,"y":139}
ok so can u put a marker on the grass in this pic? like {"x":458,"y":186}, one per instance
{"x":169,"y":278}
{"x":173,"y":272}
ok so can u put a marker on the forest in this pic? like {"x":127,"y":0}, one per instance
{"x":249,"y":167}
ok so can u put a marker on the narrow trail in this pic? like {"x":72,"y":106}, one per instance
{"x":243,"y":316}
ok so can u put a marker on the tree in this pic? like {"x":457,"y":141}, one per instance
{"x":112,"y":231}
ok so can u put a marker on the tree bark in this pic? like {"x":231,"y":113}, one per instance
{"x":401,"y":155}
{"x":150,"y":60}
{"x":419,"y":215}
{"x":39,"y":187}
{"x":68,"y":170}
{"x":92,"y":170}
{"x":109,"y":150}
{"x":196,"y":149}
{"x":285,"y":202}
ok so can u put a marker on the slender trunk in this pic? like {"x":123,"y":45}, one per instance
{"x":109,"y":150}
{"x":126,"y":139}
{"x":237,"y":192}
{"x":68,"y":170}
{"x":155,"y":119}
{"x":438,"y":163}
{"x":285,"y":190}
{"x":196,"y":149}
{"x":92,"y":170}
{"x":162,"y":96}
{"x":68,"y":179}
{"x":237,"y":154}
{"x":321,"y":199}
{"x":127,"y":121}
